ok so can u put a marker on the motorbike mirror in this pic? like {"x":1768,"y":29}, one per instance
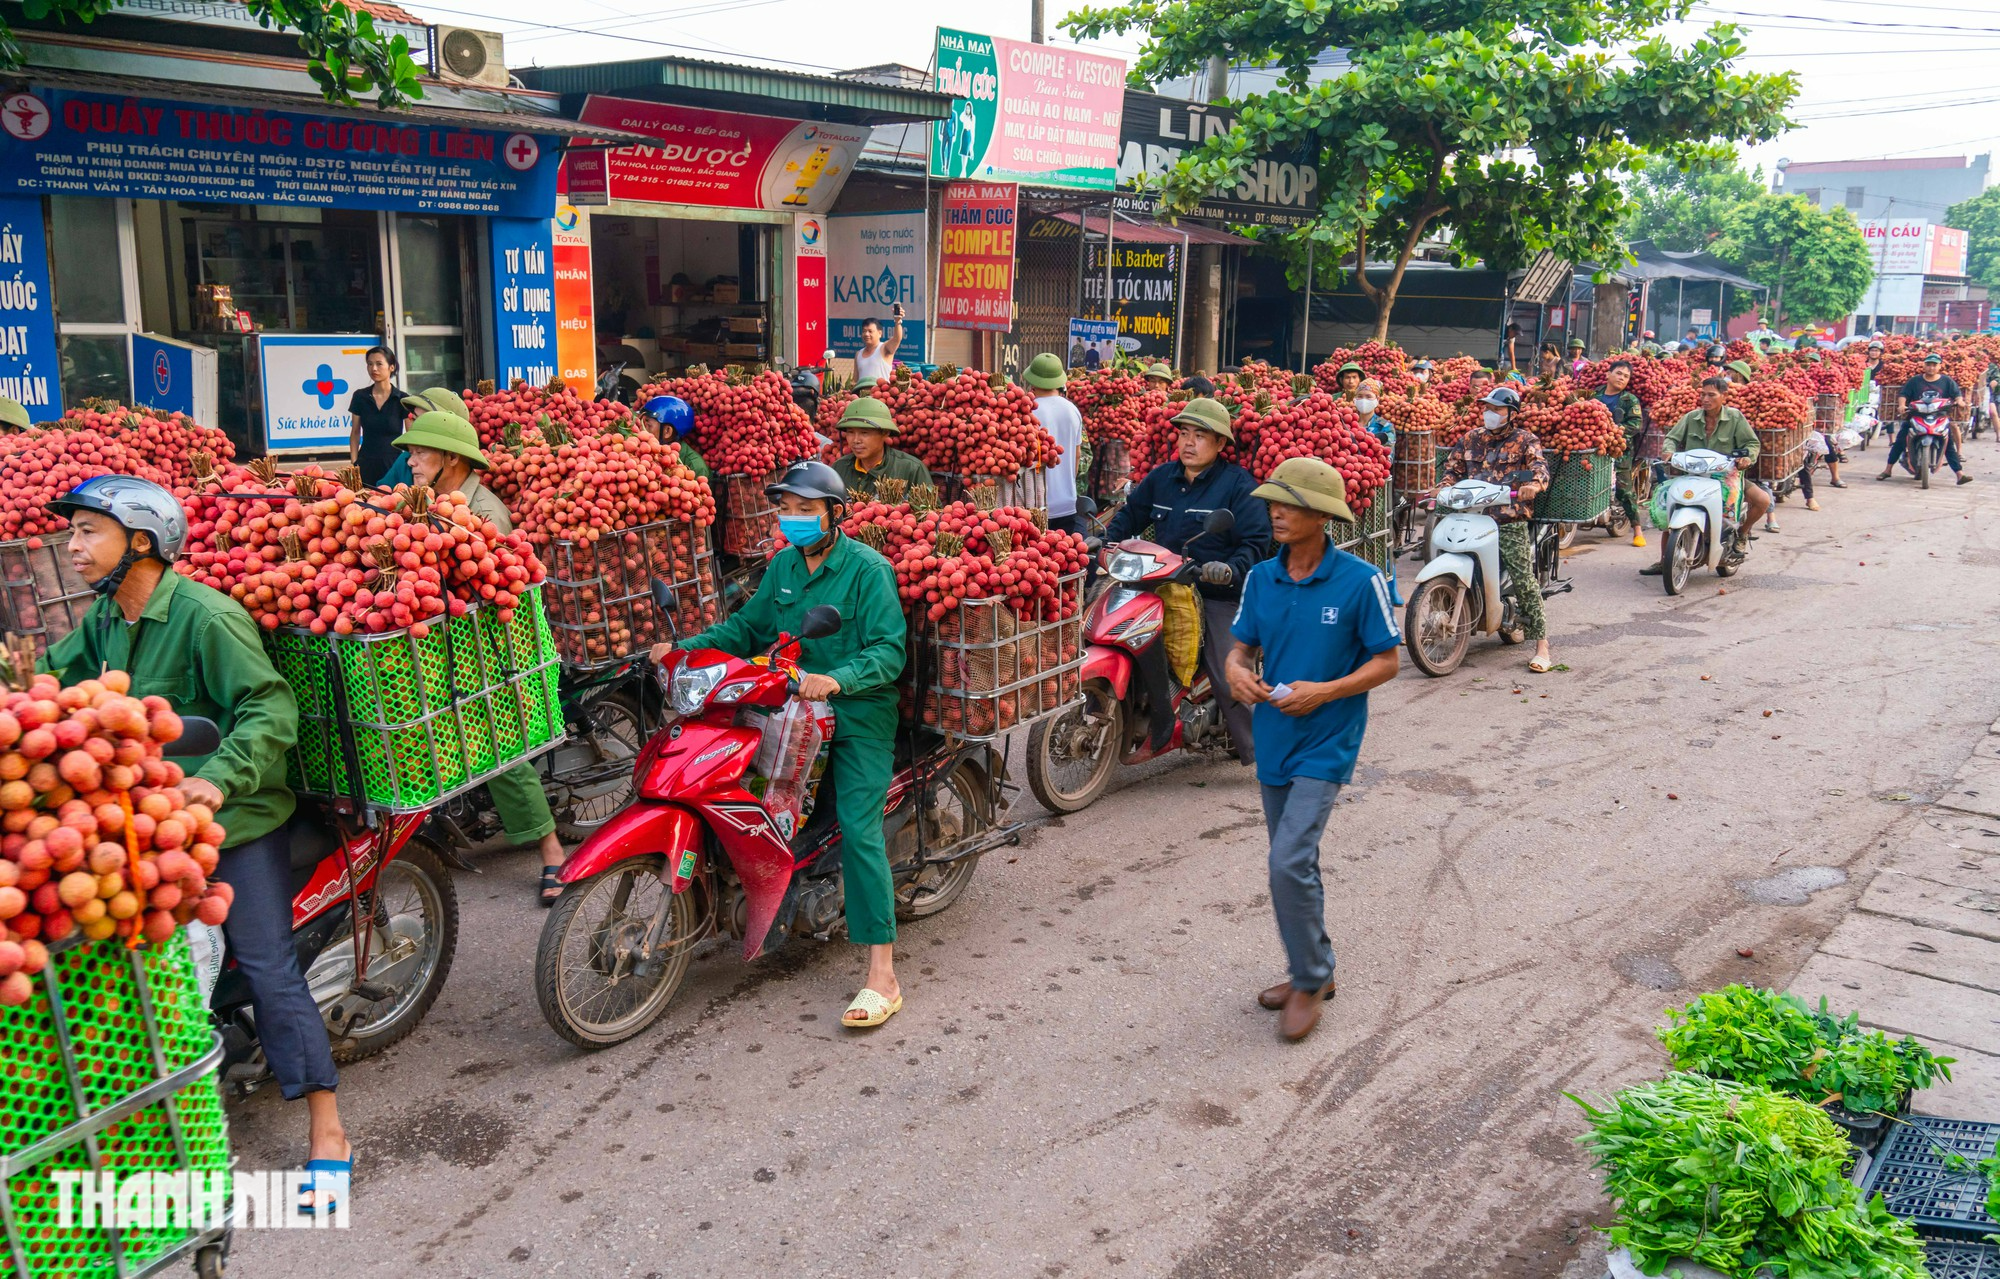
{"x":1219,"y":521}
{"x":822,"y":620}
{"x":1086,"y":506}
{"x":663,"y":596}
{"x":198,"y":737}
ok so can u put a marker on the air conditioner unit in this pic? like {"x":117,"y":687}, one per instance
{"x":460,"y":55}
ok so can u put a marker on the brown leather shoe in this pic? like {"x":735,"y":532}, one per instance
{"x":1301,"y":1011}
{"x":1274,"y":998}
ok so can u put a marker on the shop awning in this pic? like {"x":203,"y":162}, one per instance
{"x":1147,"y":231}
{"x":721,"y":86}
{"x":1660,"y":264}
{"x":544,"y":123}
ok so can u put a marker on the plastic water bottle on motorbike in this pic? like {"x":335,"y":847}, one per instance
{"x":791,"y":758}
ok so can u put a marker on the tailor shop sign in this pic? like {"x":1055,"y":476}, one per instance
{"x":59,"y":142}
{"x":1156,"y":134}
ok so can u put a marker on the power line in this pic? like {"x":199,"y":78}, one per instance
{"x":635,"y":39}
{"x":1927,"y":28}
{"x":641,"y":19}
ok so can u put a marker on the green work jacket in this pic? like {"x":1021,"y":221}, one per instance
{"x":864,"y":656}
{"x":896,"y":465}
{"x":198,"y":648}
{"x":486,"y":504}
{"x":694,"y":461}
{"x":1733,"y":434}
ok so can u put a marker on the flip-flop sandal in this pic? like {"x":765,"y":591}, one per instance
{"x":873,"y":1006}
{"x":1540,"y":667}
{"x":323,"y":1204}
{"x":552,"y":886}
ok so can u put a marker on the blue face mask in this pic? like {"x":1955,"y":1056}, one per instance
{"x":800,"y":530}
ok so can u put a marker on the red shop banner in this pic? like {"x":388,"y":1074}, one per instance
{"x":976,"y":256}
{"x":720,"y":159}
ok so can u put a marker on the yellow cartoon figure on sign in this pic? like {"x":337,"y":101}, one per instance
{"x":809,"y":173}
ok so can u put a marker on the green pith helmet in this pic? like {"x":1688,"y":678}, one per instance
{"x":1209,"y":415}
{"x":1160,"y":370}
{"x":444,"y":401}
{"x":1045,"y":373}
{"x":13,"y":414}
{"x":445,"y":432}
{"x":1350,"y":367}
{"x":1310,"y":483}
{"x":1741,"y":367}
{"x":868,"y":414}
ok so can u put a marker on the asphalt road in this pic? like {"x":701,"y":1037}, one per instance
{"x":1526,"y":872}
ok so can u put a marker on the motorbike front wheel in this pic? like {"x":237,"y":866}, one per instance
{"x":614,"y":952}
{"x":596,"y":766}
{"x":1678,"y":551}
{"x":1920,"y":462}
{"x":1437,"y":625}
{"x":1071,"y":755}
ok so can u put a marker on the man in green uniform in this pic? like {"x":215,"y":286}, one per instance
{"x":1630,"y":415}
{"x":444,"y":454}
{"x":855,"y":669}
{"x":1721,"y":428}
{"x":675,"y":417}
{"x":198,"y":648}
{"x":867,"y":424}
{"x":1159,"y":377}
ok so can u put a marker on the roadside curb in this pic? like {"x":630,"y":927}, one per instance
{"x":1919,"y":952}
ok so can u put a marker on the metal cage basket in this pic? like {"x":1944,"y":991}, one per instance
{"x":750,"y":525}
{"x":1029,"y":489}
{"x":401,"y":723}
{"x":599,"y":593}
{"x":983,"y":668}
{"x":1780,"y":452}
{"x":40,"y":594}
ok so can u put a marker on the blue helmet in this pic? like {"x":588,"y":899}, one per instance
{"x":671,"y":411}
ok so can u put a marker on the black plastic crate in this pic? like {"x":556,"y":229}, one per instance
{"x":1957,"y":1259}
{"x":1913,"y":1173}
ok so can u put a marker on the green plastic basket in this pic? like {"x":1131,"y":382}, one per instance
{"x":426,"y":718}
{"x":1579,"y":488}
{"x":109,"y":1067}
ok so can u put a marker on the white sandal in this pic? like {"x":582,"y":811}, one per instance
{"x":875,"y":1008}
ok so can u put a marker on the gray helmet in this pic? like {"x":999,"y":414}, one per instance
{"x":1502,"y":397}
{"x":813,"y":480}
{"x":139,"y":506}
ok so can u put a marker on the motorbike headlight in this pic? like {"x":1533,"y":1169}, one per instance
{"x":688,"y":692}
{"x":1130,"y":566}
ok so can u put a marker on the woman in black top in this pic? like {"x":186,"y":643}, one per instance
{"x":378,"y":415}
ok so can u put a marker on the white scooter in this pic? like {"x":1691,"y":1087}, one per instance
{"x":1463,"y":588}
{"x":1700,"y":528}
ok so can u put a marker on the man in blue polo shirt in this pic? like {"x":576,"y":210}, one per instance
{"x":1328,"y":633}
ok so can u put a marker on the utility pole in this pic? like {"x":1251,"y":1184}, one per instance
{"x":1205,"y":266}
{"x":1035,"y":21}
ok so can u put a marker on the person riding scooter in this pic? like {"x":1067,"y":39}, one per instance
{"x":1932,"y":383}
{"x":1498,"y":452}
{"x":676,"y":420}
{"x":1720,"y":427}
{"x":198,"y":648}
{"x":1175,"y":499}
{"x":855,"y":669}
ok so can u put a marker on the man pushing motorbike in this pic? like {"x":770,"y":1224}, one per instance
{"x":854,"y":669}
{"x":1175,"y":500}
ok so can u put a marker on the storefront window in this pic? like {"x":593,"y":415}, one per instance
{"x":89,"y":277}
{"x":305,"y":276}
{"x":433,"y":272}
{"x":93,"y":365}
{"x":433,"y":361}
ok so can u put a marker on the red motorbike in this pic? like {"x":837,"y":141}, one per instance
{"x":405,"y":930}
{"x":1929,"y":433}
{"x":698,"y":853}
{"x":1133,"y":708}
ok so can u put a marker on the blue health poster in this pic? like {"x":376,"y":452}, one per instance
{"x":30,"y":368}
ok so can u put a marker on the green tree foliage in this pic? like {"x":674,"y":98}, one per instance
{"x":1506,"y":125}
{"x":1685,"y":210}
{"x":1816,"y":264}
{"x":345,"y":54}
{"x":1981,"y":216}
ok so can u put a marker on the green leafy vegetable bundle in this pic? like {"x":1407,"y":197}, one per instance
{"x":1760,"y":1036}
{"x":1742,"y":1179}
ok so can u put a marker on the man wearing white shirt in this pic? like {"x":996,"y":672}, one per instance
{"x":1046,"y":379}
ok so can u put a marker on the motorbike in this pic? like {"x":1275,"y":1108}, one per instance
{"x":1930,"y":430}
{"x":616,"y":384}
{"x":1865,"y":424}
{"x":382,"y":892}
{"x":697,"y":854}
{"x":606,"y":717}
{"x":1133,"y":708}
{"x":1463,"y":589}
{"x":1701,"y":523}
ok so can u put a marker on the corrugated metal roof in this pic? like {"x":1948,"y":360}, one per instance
{"x":757,"y":90}
{"x":544,"y":122}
